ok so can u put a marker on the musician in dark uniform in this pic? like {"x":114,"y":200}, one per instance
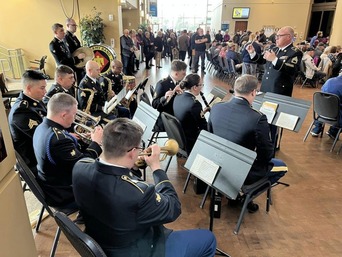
{"x":65,"y":79}
{"x":166,"y":89}
{"x":238,"y":122}
{"x":188,"y":110}
{"x":59,"y":48}
{"x":73,"y":44}
{"x":57,"y":151}
{"x":116,"y":76}
{"x":282,"y":63}
{"x":26,"y":114}
{"x":124,"y":214}
{"x":99,"y":93}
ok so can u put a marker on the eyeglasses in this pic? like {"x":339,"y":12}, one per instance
{"x":281,"y":35}
{"x":137,"y":147}
{"x":74,"y":25}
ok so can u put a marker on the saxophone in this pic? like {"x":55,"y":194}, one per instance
{"x":90,"y":99}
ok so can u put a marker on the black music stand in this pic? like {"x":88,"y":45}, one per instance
{"x":234,"y":161}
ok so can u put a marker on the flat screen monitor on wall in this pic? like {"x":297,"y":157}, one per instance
{"x":241,"y":12}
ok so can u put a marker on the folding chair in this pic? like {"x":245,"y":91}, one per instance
{"x":326,"y":109}
{"x":31,"y":181}
{"x":10,"y":94}
{"x":85,"y":245}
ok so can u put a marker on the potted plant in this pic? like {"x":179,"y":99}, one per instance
{"x":91,"y":27}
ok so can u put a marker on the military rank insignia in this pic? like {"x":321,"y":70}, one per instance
{"x":32,"y":123}
{"x":73,"y":152}
{"x":294,"y":60}
{"x":158,"y":198}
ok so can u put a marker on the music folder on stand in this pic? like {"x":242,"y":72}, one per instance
{"x":222,"y":165}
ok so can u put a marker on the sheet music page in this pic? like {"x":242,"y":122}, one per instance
{"x":216,"y":100}
{"x":287,"y":121}
{"x":204,"y":169}
{"x":210,"y":97}
{"x":141,"y":124}
{"x":269,"y":109}
{"x":129,"y":94}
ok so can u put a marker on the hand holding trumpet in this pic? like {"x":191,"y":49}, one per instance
{"x":96,"y":135}
{"x":152,"y":158}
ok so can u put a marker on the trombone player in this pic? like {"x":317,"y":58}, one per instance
{"x":125,"y":215}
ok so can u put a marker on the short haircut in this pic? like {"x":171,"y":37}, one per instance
{"x":178,"y":65}
{"x":63,"y":70}
{"x":190,"y":81}
{"x":56,"y":26}
{"x":245,"y":84}
{"x":31,"y":77}
{"x":60,"y":102}
{"x":119,"y":136}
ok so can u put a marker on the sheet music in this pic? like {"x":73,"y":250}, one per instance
{"x":216,"y":100}
{"x":141,"y":124}
{"x":129,"y":94}
{"x":269,"y":109}
{"x":210,"y":97}
{"x":287,"y":121}
{"x":204,"y":169}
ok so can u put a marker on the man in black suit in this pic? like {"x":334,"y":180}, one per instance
{"x":65,"y":79}
{"x":167,"y":89}
{"x":238,"y":122}
{"x":282,"y":63}
{"x":124,"y":214}
{"x":57,"y":151}
{"x":26,"y":114}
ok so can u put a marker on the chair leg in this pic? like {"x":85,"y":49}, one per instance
{"x":168,"y":164}
{"x":335,"y":141}
{"x":204,"y":197}
{"x":186,"y":182}
{"x":242,"y":213}
{"x":55,"y":242}
{"x":268,"y":200}
{"x":39,"y":220}
{"x":307,"y":133}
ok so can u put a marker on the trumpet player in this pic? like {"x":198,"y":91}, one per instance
{"x":166,"y":89}
{"x":57,"y":151}
{"x":64,"y":82}
{"x":125,"y":215}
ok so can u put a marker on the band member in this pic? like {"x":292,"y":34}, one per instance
{"x":26,"y":114}
{"x":60,"y":49}
{"x":57,"y":151}
{"x":65,"y":79}
{"x":188,"y":110}
{"x":126,"y":215}
{"x":236,"y":121}
{"x":166,"y":89}
{"x":91,"y":87}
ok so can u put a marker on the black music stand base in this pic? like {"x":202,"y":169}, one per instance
{"x":280,"y":183}
{"x":211,"y":210}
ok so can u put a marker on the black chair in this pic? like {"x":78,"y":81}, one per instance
{"x":175,"y":131}
{"x":31,"y":181}
{"x":85,"y":245}
{"x":41,"y":65}
{"x":313,"y":81}
{"x":144,"y":98}
{"x":10,"y":94}
{"x":326,"y":109}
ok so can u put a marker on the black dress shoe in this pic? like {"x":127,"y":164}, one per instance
{"x":148,"y":67}
{"x":252,"y":207}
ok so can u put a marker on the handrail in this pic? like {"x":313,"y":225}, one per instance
{"x":12,"y":60}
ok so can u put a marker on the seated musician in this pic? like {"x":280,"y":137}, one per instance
{"x":26,"y":114}
{"x":126,"y":215}
{"x":57,"y":151}
{"x":238,"y":122}
{"x":166,"y":89}
{"x":188,"y":110}
{"x":65,"y":80}
{"x":116,"y":76}
{"x":91,"y":96}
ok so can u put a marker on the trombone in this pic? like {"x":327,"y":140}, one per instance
{"x":170,"y":148}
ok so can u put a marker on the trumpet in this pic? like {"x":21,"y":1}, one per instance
{"x":85,"y":118}
{"x":170,"y":148}
{"x":83,"y":131}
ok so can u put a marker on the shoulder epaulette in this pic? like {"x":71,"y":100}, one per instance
{"x":24,"y":104}
{"x":140,"y":185}
{"x":58,"y":133}
{"x":87,"y":160}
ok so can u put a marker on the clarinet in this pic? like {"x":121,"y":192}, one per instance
{"x":207,"y":108}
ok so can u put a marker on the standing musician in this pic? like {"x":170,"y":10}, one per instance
{"x":60,"y":49}
{"x":57,"y":151}
{"x":73,"y":43}
{"x":97,"y":90}
{"x":65,"y":80}
{"x":26,"y":114}
{"x":124,"y":214}
{"x":166,"y":89}
{"x":188,"y":110}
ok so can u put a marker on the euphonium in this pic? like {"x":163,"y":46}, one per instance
{"x":170,"y":148}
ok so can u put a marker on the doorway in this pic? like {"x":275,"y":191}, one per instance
{"x":241,"y":25}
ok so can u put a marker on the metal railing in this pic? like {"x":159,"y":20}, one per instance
{"x":12,"y":62}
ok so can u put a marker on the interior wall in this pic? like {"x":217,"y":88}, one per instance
{"x":130,"y":19}
{"x":29,"y":27}
{"x":276,"y":13}
{"x":336,"y":32}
